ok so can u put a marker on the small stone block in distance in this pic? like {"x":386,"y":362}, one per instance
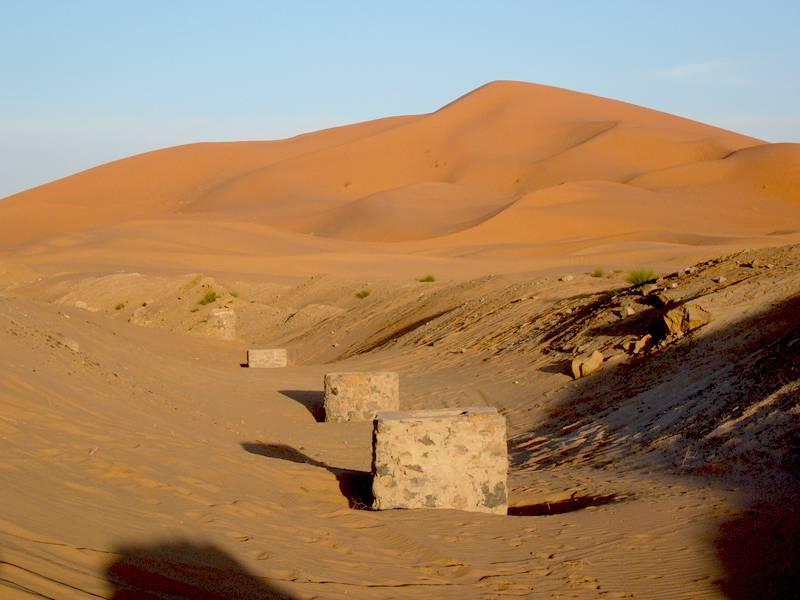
{"x":358,"y":396}
{"x":448,"y":458}
{"x":271,"y":358}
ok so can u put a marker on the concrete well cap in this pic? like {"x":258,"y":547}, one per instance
{"x":364,"y":373}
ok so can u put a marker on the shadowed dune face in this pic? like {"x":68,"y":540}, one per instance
{"x":760,"y":550}
{"x":501,"y":174}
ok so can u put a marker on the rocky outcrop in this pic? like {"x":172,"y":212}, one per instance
{"x":584,"y":365}
{"x":637,"y":346}
{"x":685,"y":318}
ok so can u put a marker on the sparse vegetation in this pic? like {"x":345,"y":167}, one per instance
{"x":640,"y":276}
{"x":598,"y":272}
{"x":211,"y":296}
{"x":235,"y":294}
{"x":348,"y":184}
{"x":363,"y":294}
{"x":119,"y":306}
{"x":195,"y":309}
{"x":427,"y":279}
{"x":617,"y":270}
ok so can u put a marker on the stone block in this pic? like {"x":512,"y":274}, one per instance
{"x":446,"y":458}
{"x":270,"y":358}
{"x":358,"y":396}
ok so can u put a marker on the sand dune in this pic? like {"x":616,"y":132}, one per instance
{"x":509,"y":163}
{"x":417,"y":211}
{"x":768,"y":170}
{"x":153,"y":184}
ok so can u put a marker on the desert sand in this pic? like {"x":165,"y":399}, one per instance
{"x":139,"y":459}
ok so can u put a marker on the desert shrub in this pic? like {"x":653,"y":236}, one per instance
{"x":119,"y":306}
{"x":363,"y":294}
{"x":235,"y":294}
{"x":427,"y":279}
{"x":211,"y":296}
{"x":598,"y":272}
{"x":640,"y":276}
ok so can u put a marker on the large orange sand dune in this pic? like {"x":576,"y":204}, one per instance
{"x":509,"y":171}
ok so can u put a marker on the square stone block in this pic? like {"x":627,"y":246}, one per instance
{"x":448,"y":458}
{"x":358,"y":396}
{"x":270,"y":358}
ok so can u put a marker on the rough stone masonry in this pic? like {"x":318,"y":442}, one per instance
{"x":266,"y":358}
{"x":358,"y":396}
{"x":449,"y":458}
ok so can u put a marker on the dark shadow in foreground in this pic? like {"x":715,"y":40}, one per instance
{"x":356,"y":486}
{"x":311,"y":399}
{"x":184,"y":569}
{"x":760,"y":550}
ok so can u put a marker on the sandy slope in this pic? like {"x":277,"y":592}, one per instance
{"x":148,"y":459}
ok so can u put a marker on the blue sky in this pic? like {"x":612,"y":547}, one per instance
{"x":84,"y":82}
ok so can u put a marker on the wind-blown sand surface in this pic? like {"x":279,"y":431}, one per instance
{"x":139,"y":460}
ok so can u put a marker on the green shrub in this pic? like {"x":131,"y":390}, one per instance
{"x":363,"y":294}
{"x":208,"y":298}
{"x":598,"y":272}
{"x":119,"y":306}
{"x":640,"y":276}
{"x":235,"y":294}
{"x":427,"y":279}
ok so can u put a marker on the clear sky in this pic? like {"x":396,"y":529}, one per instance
{"x":85,"y":82}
